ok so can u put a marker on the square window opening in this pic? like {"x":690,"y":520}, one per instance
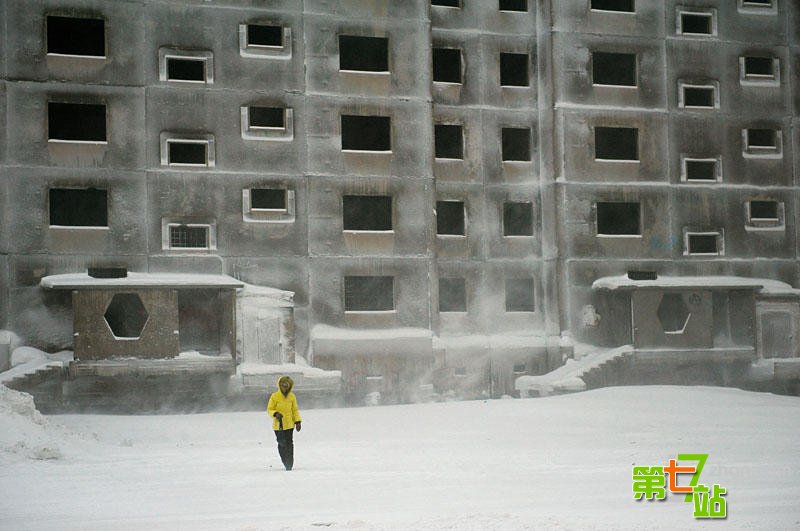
{"x":619,"y":219}
{"x":759,"y":67}
{"x":76,"y":122}
{"x":513,"y":5}
{"x":367,"y":213}
{"x":696,"y":24}
{"x":448,"y":141}
{"x":616,"y":143}
{"x":623,"y":6}
{"x":514,"y":70}
{"x":76,"y":36}
{"x":189,"y":153}
{"x":520,"y":295}
{"x":368,"y":293}
{"x":268,"y":198}
{"x":452,"y":295}
{"x":446,"y":65}
{"x":762,"y":139}
{"x":188,"y":237}
{"x":366,"y":133}
{"x":267,"y":117}
{"x":363,"y":54}
{"x":764,"y":211}
{"x":78,"y":207}
{"x":517,"y":219}
{"x":450,"y":218}
{"x":516,"y":144}
{"x":264,"y":35}
{"x":614,"y":69}
{"x":520,"y":368}
{"x":698,"y":97}
{"x":703,"y":170}
{"x":704,"y":243}
{"x":186,"y":69}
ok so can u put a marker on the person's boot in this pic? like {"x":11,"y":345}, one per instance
{"x":289,"y":462}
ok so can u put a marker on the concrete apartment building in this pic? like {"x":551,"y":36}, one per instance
{"x":437,"y":195}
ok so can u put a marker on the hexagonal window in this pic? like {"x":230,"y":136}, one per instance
{"x":126,"y":315}
{"x":673,"y":313}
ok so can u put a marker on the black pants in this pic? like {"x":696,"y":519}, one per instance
{"x":286,"y":447}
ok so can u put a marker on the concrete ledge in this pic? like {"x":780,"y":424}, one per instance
{"x":140,"y":367}
{"x":696,"y":355}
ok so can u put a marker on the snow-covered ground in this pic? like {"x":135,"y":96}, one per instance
{"x":555,"y":462}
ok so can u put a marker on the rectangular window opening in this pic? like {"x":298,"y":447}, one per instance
{"x":78,"y":207}
{"x":366,"y":133}
{"x":759,"y":68}
{"x":517,"y":219}
{"x":267,"y":117}
{"x":516,"y":144}
{"x":514,"y":70}
{"x":764,"y":211}
{"x":703,"y":243}
{"x":762,"y":139}
{"x":446,"y":3}
{"x":192,"y":153}
{"x":624,"y":6}
{"x":446,"y":65}
{"x":76,"y":122}
{"x":368,"y":293}
{"x":448,"y":141}
{"x":76,"y":36}
{"x":618,"y":219}
{"x":188,"y":237}
{"x":367,"y":212}
{"x":268,"y":199}
{"x":698,"y":97}
{"x":186,"y":69}
{"x":696,"y":24}
{"x":450,"y":218}
{"x":263,"y":35}
{"x":364,"y":54}
{"x":452,"y":295}
{"x":520,"y":295}
{"x":520,"y":368}
{"x":614,"y":69}
{"x":513,"y":5}
{"x":616,"y":143}
{"x":701,"y":170}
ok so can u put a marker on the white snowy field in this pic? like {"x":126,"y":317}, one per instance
{"x":558,"y":462}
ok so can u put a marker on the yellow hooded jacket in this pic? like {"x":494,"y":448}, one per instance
{"x":285,"y":405}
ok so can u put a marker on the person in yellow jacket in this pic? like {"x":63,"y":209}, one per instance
{"x":282,"y":407}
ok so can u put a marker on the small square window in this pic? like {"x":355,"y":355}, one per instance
{"x":513,"y":5}
{"x":703,"y":243}
{"x":76,"y":122}
{"x":520,"y":295}
{"x":697,"y":96}
{"x":755,"y":70}
{"x":183,"y":66}
{"x":623,"y":6}
{"x":701,"y":170}
{"x":268,"y":205}
{"x":368,"y":293}
{"x":70,"y":207}
{"x":452,"y":295}
{"x":516,"y":144}
{"x":765,"y":215}
{"x":84,"y":37}
{"x":517,"y":219}
{"x":697,"y":24}
{"x":367,"y":213}
{"x":265,"y":40}
{"x":616,"y":143}
{"x":514,"y":70}
{"x":189,"y":150}
{"x":614,"y":69}
{"x":363,"y":54}
{"x":446,"y":65}
{"x":448,"y":141}
{"x":366,"y":133}
{"x":762,"y":143}
{"x":261,"y":122}
{"x":450,"y":218}
{"x":188,"y":234}
{"x":618,"y":219}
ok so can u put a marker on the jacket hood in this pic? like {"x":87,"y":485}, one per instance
{"x":287,"y":379}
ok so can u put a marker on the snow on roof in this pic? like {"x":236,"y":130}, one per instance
{"x":140,"y":280}
{"x":710,"y":282}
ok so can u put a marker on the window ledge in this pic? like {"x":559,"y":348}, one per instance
{"x":358,"y":231}
{"x":452,"y":236}
{"x":632,"y":87}
{"x":619,"y":161}
{"x":762,"y":154}
{"x":83,"y":142}
{"x":370,"y":312}
{"x":367,"y":152}
{"x":621,"y":236}
{"x":379,"y":73}
{"x":78,"y":56}
{"x":80,"y":228}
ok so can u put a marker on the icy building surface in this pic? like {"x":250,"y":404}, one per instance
{"x":443,"y":192}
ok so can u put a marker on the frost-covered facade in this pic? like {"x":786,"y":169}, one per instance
{"x":449,"y":188}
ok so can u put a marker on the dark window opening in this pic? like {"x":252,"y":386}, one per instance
{"x":519,"y":295}
{"x":696,"y":23}
{"x":452,"y":295}
{"x":520,"y":368}
{"x":618,"y":69}
{"x":626,"y":6}
{"x":368,"y":54}
{"x":616,"y":143}
{"x":184,"y":236}
{"x":517,"y":219}
{"x":446,"y":3}
{"x":367,"y":212}
{"x":366,"y":133}
{"x":759,"y":3}
{"x":368,"y":294}
{"x":759,"y":66}
{"x":703,"y":244}
{"x":76,"y":122}
{"x":450,"y":217}
{"x":762,"y":138}
{"x":448,"y":141}
{"x":259,"y":35}
{"x":126,"y":316}
{"x":514,"y":70}
{"x":618,"y":219}
{"x":187,"y":152}
{"x":184,"y":69}
{"x":78,"y":208}
{"x":267,"y":117}
{"x":764,"y":210}
{"x":701,"y":170}
{"x":516,"y":144}
{"x":268,"y":198}
{"x":76,"y":36}
{"x":698,"y":97}
{"x":447,"y":65}
{"x":513,"y":5}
